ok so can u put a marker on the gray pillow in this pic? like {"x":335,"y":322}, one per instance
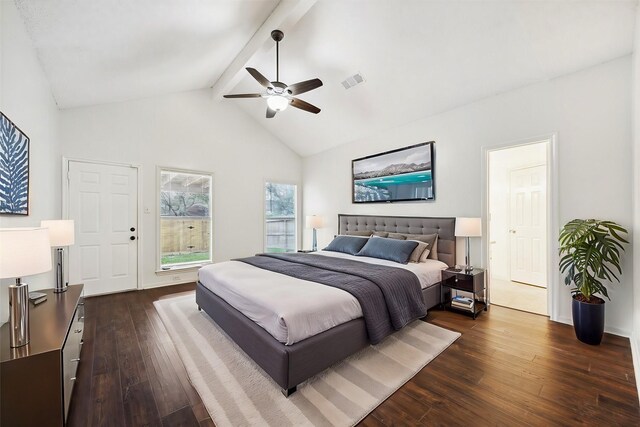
{"x":381,"y":233}
{"x":389,"y":249}
{"x":425,"y":255}
{"x":397,"y":236}
{"x":434,"y":251}
{"x":430,"y":239}
{"x":365,"y":233}
{"x":418,"y":252}
{"x":346,"y":244}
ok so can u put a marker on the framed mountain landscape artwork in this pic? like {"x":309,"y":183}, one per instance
{"x":401,"y":175}
{"x":14,"y":169}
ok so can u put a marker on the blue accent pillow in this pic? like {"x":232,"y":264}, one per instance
{"x":389,"y":249}
{"x":347,"y":244}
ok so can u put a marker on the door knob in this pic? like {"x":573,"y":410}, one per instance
{"x":132,"y":238}
{"x":512,"y":231}
{"x":132,"y":229}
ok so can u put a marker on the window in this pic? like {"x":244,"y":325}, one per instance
{"x":185,"y":218}
{"x":280,"y":217}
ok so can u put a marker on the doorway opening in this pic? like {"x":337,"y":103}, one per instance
{"x":518,"y":226}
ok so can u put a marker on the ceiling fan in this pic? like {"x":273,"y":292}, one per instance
{"x":278,"y":95}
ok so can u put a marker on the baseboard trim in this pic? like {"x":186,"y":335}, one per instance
{"x":565,"y":320}
{"x":608,"y":329}
{"x":635,"y":355}
{"x":617,"y":331}
{"x":162,"y":285}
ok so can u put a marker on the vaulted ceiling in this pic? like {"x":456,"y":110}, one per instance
{"x":99,"y":51}
{"x":418,"y":57}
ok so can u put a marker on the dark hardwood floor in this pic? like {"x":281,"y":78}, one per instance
{"x":508,"y":368}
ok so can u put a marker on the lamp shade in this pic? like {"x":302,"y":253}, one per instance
{"x":314,"y":221}
{"x":24,"y":251}
{"x":468,"y":227}
{"x":61,"y":231}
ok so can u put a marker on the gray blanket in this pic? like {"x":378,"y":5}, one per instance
{"x":390,"y":297}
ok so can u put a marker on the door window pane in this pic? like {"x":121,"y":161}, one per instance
{"x":280,"y":217}
{"x":185,"y":218}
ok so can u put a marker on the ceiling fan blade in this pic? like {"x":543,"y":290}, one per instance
{"x":270,"y":113}
{"x":243,"y":95}
{"x":306,"y":86}
{"x":303,"y":105}
{"x":259,"y":77}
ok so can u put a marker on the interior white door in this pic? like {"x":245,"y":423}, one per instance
{"x":103,"y":201}
{"x":528,"y":225}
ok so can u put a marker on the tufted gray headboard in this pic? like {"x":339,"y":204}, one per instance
{"x":445,"y":227}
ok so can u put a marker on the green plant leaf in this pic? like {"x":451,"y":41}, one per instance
{"x":590,"y":254}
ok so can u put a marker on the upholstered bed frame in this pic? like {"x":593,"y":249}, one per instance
{"x":290,"y":365}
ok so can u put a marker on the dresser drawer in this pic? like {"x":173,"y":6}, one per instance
{"x":71,"y":356}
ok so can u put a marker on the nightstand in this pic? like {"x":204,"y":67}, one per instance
{"x":468,"y":281}
{"x":305,"y":251}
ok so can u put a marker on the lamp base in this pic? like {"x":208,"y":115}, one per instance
{"x":314,"y":245}
{"x":19,"y":314}
{"x":467,"y":257}
{"x":61,"y":286}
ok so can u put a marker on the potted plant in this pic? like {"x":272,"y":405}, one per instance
{"x":590,"y":256}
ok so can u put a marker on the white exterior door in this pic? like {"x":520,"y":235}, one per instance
{"x":103,"y":201}
{"x":528,"y":225}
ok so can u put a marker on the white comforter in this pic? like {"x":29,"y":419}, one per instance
{"x":292,"y":309}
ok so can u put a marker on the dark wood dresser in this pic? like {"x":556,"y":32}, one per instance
{"x":36,"y":380}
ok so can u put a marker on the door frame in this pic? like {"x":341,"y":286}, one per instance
{"x":553,"y":215}
{"x":65,"y":200}
{"x":532,"y":165}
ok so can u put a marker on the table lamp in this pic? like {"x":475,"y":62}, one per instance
{"x":23,"y":252}
{"x":61,"y":233}
{"x":468,"y":227}
{"x":315,"y":222}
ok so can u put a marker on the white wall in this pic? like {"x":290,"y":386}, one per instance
{"x":187,"y":131}
{"x":635,"y":340}
{"x":26,"y":99}
{"x":502,"y":162}
{"x":589,"y":110}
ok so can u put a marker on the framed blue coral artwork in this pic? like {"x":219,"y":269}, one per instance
{"x":14,"y":169}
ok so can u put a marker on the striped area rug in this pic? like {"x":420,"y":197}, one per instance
{"x":236,"y":392}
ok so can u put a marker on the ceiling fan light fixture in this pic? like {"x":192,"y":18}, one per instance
{"x":278,"y":94}
{"x":278,"y":102}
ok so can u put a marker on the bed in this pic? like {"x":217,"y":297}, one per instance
{"x":289,"y":364}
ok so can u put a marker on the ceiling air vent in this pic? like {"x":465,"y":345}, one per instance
{"x":352,"y":81}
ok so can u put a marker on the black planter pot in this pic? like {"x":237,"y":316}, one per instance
{"x":588,"y":321}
